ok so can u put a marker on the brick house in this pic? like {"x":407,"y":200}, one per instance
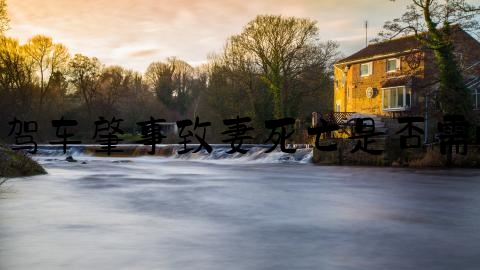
{"x":397,"y":77}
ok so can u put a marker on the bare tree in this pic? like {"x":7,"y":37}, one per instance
{"x":48,"y":58}
{"x":16,"y":79}
{"x":173,"y":82}
{"x":84,"y":74}
{"x":281,"y":49}
{"x":432,"y":22}
{"x":278,"y":46}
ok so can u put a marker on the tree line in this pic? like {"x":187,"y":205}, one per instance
{"x":276,"y":67}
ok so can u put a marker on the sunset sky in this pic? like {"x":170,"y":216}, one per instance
{"x":135,"y":33}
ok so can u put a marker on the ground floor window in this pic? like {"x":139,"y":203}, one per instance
{"x":396,"y":98}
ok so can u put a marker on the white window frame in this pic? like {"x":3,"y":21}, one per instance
{"x":338,"y":106}
{"x":397,"y":65}
{"x":370,"y":69}
{"x":404,"y":91}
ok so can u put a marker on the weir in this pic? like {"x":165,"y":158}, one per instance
{"x":256,"y":152}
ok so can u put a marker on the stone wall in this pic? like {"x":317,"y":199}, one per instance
{"x":393,"y":155}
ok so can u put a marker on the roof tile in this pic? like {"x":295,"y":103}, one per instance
{"x":384,"y":48}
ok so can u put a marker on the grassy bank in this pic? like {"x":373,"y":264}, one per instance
{"x":13,"y":164}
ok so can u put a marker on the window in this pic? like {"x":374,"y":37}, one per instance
{"x":396,"y":98}
{"x":366,"y":69}
{"x":393,"y":64}
{"x":459,"y":59}
{"x":476,"y":98}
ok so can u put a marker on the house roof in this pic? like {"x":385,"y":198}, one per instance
{"x":384,"y":48}
{"x":393,"y":47}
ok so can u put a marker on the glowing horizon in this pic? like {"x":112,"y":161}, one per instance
{"x":134,"y":34}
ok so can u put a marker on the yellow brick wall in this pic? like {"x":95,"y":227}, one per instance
{"x":352,"y":94}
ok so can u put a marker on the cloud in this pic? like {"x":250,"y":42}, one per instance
{"x":147,"y":30}
{"x":143,"y":53}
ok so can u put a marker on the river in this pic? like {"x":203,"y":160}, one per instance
{"x":237,"y":213}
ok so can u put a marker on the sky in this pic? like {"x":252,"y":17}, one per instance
{"x":135,"y":33}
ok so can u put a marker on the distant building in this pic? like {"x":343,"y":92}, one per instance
{"x":394,"y":78}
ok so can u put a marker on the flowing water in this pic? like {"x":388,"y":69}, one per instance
{"x":217,"y":211}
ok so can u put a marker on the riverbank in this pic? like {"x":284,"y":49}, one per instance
{"x":426,"y":156}
{"x":14,"y":164}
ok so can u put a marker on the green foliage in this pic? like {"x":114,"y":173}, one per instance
{"x":454,"y":96}
{"x":130,"y":138}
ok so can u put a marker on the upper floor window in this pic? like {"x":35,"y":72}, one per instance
{"x":393,"y":64}
{"x":366,"y":69}
{"x":459,"y":59}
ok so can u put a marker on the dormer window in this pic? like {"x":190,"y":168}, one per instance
{"x":393,"y":64}
{"x":366,"y":69}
